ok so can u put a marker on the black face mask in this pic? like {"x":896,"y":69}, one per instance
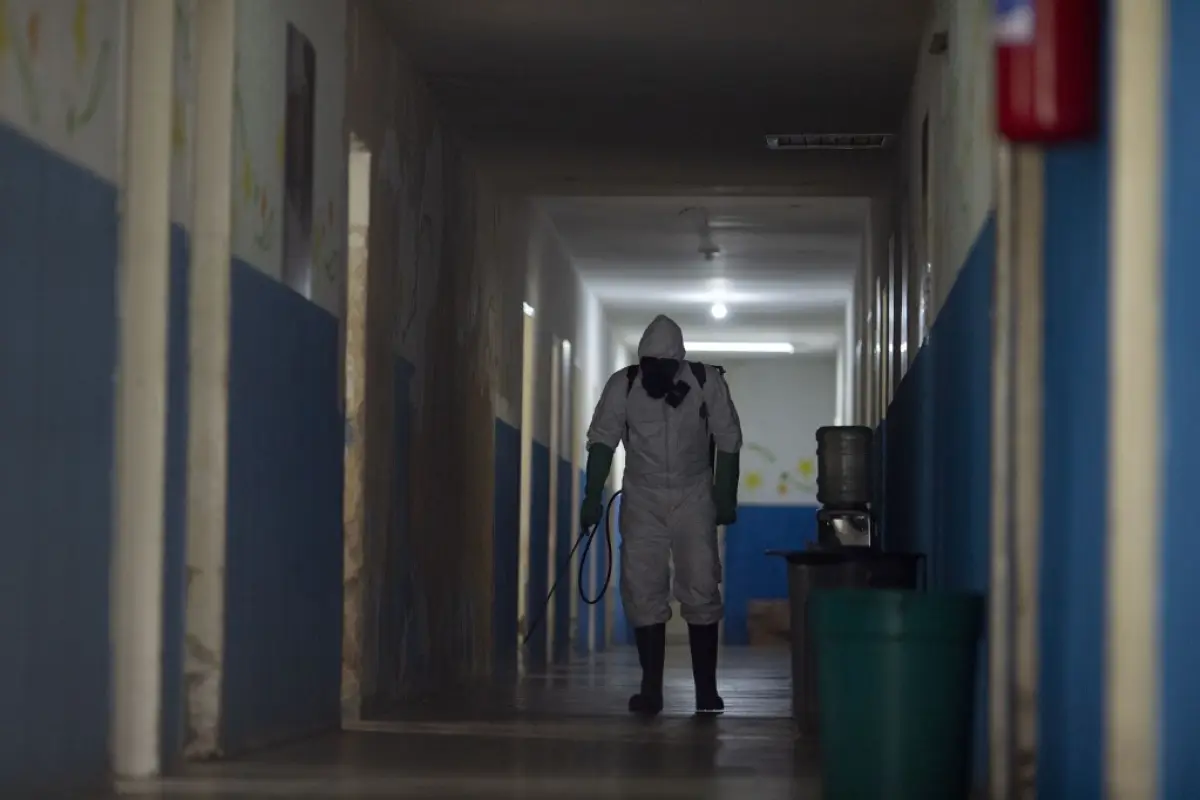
{"x":658,"y":379}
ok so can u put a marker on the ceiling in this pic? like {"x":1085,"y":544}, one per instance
{"x":606,"y":107}
{"x":696,"y":74}
{"x":783,"y":267}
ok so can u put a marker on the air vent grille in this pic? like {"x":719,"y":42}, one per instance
{"x":829,"y":141}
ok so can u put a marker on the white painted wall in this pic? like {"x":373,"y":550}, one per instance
{"x":60,"y":76}
{"x":593,"y":357}
{"x":567,"y":309}
{"x":955,"y":90}
{"x":782,"y":402}
{"x":61,"y":84}
{"x":622,"y":357}
{"x":258,"y":139}
{"x":61,"y":73}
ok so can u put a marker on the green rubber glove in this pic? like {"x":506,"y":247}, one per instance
{"x":725,"y":487}
{"x":600,"y":458}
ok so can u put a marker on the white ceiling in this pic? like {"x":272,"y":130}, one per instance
{"x":784,"y":267}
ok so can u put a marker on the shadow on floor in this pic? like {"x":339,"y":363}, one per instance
{"x":559,"y":733}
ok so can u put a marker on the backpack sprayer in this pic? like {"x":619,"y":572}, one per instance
{"x":587,"y":536}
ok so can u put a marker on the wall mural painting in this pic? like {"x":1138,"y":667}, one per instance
{"x":766,"y":473}
{"x":100,"y":67}
{"x":253,"y":193}
{"x":21,"y":36}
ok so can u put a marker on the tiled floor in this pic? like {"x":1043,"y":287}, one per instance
{"x":561,"y":733}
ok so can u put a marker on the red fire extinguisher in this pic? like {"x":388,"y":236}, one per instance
{"x":1047,"y":69}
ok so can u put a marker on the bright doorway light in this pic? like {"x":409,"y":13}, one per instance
{"x":719,"y":311}
{"x":528,"y":309}
{"x":784,"y":348}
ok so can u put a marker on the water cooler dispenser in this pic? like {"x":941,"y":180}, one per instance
{"x":844,"y":487}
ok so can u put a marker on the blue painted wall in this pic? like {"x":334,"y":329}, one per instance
{"x":284,"y":558}
{"x":506,"y":543}
{"x":582,"y":644}
{"x":57,"y":358}
{"x":1180,"y":726}
{"x":175,"y":546}
{"x":1071,"y":690}
{"x":601,"y":555}
{"x":539,"y":552}
{"x":938,"y":448}
{"x":749,"y":573}
{"x":593,"y":616}
{"x":962,"y":389}
{"x":908,"y":453}
{"x":564,"y":534}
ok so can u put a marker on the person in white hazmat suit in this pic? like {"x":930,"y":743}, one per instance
{"x":670,"y":413}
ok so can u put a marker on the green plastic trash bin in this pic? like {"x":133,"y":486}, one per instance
{"x":809,"y":571}
{"x":896,"y":689}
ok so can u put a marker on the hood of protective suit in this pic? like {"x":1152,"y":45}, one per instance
{"x":662,"y":339}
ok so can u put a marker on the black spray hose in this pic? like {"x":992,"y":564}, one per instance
{"x":586,"y":536}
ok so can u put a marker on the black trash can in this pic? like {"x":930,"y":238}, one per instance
{"x":847,"y":568}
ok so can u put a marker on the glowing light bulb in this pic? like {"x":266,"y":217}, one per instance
{"x":719,"y":311}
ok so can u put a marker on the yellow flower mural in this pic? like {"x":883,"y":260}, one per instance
{"x":254,"y":191}
{"x":800,"y":481}
{"x":24,"y":42}
{"x":24,"y":47}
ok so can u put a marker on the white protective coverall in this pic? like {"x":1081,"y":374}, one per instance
{"x":667,"y":508}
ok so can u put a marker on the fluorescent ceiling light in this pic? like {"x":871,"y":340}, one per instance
{"x":528,"y":309}
{"x":719,"y":311}
{"x":740,"y":347}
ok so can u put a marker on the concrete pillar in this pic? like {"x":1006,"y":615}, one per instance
{"x":143,"y":311}
{"x":208,"y":380}
{"x":1133,"y":658}
{"x":1017,"y":397}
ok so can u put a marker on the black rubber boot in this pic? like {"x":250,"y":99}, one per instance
{"x":704,"y":640}
{"x":652,"y":653}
